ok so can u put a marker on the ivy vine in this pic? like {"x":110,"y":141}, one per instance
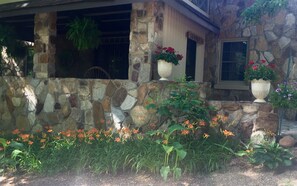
{"x":253,"y":13}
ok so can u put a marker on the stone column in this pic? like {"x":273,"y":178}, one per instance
{"x":145,"y":34}
{"x":45,"y":31}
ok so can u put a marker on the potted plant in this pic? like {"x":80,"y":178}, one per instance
{"x":260,"y":73}
{"x":84,"y":33}
{"x":166,"y":56}
{"x":284,"y":97}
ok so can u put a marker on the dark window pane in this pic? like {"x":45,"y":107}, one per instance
{"x":233,"y":60}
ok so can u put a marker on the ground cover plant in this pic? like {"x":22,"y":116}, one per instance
{"x":110,"y":151}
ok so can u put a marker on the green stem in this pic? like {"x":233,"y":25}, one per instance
{"x":176,"y":160}
{"x":165,"y":159}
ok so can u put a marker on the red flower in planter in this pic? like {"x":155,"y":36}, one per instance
{"x":168,"y":54}
{"x":260,"y":70}
{"x":255,"y":67}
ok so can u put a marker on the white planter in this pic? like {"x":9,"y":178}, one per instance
{"x":260,"y":89}
{"x":164,"y":69}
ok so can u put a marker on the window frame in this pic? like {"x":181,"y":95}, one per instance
{"x":225,"y":84}
{"x":197,"y":8}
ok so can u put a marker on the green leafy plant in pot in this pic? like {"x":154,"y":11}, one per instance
{"x":84,"y":33}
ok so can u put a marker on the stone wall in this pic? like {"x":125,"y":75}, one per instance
{"x":247,"y":118}
{"x":272,"y":39}
{"x":32,"y":104}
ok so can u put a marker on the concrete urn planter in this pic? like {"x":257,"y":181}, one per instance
{"x":260,"y":89}
{"x":164,"y":69}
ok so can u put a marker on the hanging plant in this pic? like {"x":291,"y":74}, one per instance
{"x":253,"y":13}
{"x":84,"y":33}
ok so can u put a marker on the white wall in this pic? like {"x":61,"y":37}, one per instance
{"x":175,"y":28}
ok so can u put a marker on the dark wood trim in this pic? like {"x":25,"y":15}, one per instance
{"x":37,"y":6}
{"x":195,"y":37}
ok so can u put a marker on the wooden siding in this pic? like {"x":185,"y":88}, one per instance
{"x":176,"y":26}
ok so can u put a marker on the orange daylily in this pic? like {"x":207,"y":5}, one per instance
{"x":185,"y":132}
{"x":16,"y":131}
{"x":117,"y":139}
{"x":202,"y":123}
{"x":135,"y":131}
{"x":228,"y":133}
{"x":205,"y":135}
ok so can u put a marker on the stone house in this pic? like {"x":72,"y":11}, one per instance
{"x":59,"y":95}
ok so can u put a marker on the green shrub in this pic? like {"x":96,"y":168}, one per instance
{"x":271,"y":155}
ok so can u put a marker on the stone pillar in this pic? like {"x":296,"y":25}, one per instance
{"x":145,"y":34}
{"x":45,"y":31}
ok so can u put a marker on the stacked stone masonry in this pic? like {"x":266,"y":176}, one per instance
{"x":272,"y":38}
{"x":32,"y":104}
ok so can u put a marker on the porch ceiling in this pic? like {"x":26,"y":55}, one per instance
{"x":113,"y":21}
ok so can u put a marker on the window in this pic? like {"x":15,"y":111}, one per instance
{"x":234,"y":56}
{"x":233,"y":61}
{"x":191,"y":59}
{"x":202,"y":4}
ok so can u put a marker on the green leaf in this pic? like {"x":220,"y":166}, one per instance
{"x":177,"y":172}
{"x":16,"y":145}
{"x":287,"y":162}
{"x":168,"y":149}
{"x":241,"y":153}
{"x":177,"y":145}
{"x":16,"y":153}
{"x":164,"y":172}
{"x":153,"y":132}
{"x":181,"y":153}
{"x":175,"y":127}
{"x":3,"y":142}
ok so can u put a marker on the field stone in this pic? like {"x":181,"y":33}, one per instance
{"x":260,"y":137}
{"x":65,"y":111}
{"x":287,"y":141}
{"x":250,"y":108}
{"x":267,"y":122}
{"x":22,"y":122}
{"x":49,"y":103}
{"x":265,"y":107}
{"x":140,"y":115}
{"x":119,"y":97}
{"x":98,"y":115}
{"x":231,"y":106}
{"x":128,"y":103}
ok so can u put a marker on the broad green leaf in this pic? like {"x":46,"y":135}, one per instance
{"x":177,"y":145}
{"x":177,"y":172}
{"x":181,"y":153}
{"x":16,"y":145}
{"x":175,"y":127}
{"x":3,"y":142}
{"x":168,"y":149}
{"x":164,"y":172}
{"x":15,"y":153}
{"x":287,"y":162}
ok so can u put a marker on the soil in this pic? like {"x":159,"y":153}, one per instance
{"x":237,"y":173}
